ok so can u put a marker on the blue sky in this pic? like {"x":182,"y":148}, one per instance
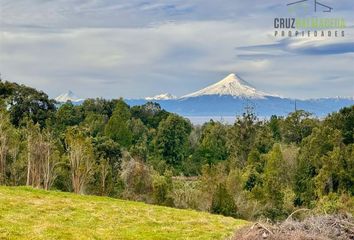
{"x":136,"y":48}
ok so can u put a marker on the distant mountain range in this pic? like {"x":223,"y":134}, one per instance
{"x":163,"y":96}
{"x":229,"y":97}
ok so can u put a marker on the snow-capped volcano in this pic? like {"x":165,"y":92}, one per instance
{"x":68,"y":96}
{"x":232,"y":85}
{"x":163,"y":96}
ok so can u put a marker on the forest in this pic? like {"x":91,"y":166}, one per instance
{"x":251,"y":169}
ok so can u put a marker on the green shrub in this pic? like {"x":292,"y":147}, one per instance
{"x":335,"y":203}
{"x":223,"y":203}
{"x":161,"y":189}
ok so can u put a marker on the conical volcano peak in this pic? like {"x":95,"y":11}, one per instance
{"x":230,"y":77}
{"x":234,"y":79}
{"x":68,"y":96}
{"x":231,"y":85}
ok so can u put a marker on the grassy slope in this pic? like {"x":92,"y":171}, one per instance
{"x":26,"y":213}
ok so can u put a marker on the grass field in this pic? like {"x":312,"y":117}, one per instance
{"x":27,"y":213}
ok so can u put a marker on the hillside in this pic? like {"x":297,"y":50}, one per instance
{"x":26,"y":213}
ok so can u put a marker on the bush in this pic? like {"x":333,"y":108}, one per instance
{"x":161,"y":189}
{"x":335,"y":203}
{"x":186,"y":194}
{"x":137,"y":179}
{"x":223,"y":203}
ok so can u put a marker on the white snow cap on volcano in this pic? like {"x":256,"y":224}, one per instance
{"x":232,"y":85}
{"x":163,"y":96}
{"x":68,"y":96}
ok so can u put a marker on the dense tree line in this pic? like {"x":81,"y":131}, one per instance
{"x":248,"y":169}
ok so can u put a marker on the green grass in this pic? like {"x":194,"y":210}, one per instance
{"x":27,"y":213}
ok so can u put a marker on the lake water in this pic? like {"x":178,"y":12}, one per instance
{"x":199,"y":120}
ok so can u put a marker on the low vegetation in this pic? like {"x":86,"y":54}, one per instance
{"x":27,"y":213}
{"x":252,"y":169}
